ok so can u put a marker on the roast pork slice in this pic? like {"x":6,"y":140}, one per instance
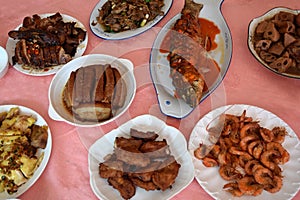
{"x":93,"y":112}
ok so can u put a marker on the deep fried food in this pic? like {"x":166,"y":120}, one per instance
{"x":165,"y":177}
{"x":141,"y":161}
{"x":123,"y":185}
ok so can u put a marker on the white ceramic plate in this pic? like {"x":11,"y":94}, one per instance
{"x":251,"y":31}
{"x":47,"y":151}
{"x":210,"y":179}
{"x":178,"y":148}
{"x":11,"y":44}
{"x":159,"y":64}
{"x":57,"y":110}
{"x":99,"y":31}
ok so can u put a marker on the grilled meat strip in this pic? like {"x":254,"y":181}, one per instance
{"x":187,"y":54}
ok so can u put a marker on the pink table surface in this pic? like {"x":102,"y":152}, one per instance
{"x":246,"y":82}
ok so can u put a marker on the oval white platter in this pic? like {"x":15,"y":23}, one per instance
{"x":159,"y":63}
{"x":11,"y":44}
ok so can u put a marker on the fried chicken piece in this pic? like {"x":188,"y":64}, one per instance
{"x":165,"y":177}
{"x":125,"y":186}
{"x":145,"y":136}
{"x":128,"y":144}
{"x":147,"y":185}
{"x":145,"y":173}
{"x":111,"y":169}
{"x":155,"y":149}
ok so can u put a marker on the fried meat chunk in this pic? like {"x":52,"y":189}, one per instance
{"x":123,"y":185}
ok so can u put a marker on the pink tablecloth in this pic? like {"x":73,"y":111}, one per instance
{"x":246,"y":82}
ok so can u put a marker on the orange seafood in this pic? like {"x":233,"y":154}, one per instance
{"x":248,"y":155}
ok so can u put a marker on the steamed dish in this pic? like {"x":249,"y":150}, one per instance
{"x":94,"y":93}
{"x":277,"y":42}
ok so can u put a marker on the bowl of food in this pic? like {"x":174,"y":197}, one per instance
{"x":274,"y":40}
{"x":92,"y":90}
{"x":3,"y":62}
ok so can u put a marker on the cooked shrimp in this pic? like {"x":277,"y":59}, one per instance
{"x":247,"y":139}
{"x":209,"y":162}
{"x":249,"y":128}
{"x":235,"y":137}
{"x":267,"y":158}
{"x":237,"y":151}
{"x":275,"y":186}
{"x":257,"y":151}
{"x":229,"y":173}
{"x":263,"y":176}
{"x":233,"y":188}
{"x":266,"y":134}
{"x":249,"y":166}
{"x":279,"y":134}
{"x":252,"y":145}
{"x":249,"y":186}
{"x":243,"y":159}
{"x":202,"y":151}
{"x":284,"y":154}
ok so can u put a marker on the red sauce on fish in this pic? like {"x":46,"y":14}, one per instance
{"x":210,"y":30}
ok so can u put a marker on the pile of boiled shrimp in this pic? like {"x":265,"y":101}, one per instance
{"x":248,"y":156}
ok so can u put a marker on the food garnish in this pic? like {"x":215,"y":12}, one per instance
{"x":248,"y":155}
{"x":277,"y":42}
{"x":139,"y":161}
{"x":20,"y":142}
{"x":94,"y":93}
{"x":46,"y":42}
{"x":118,"y":15}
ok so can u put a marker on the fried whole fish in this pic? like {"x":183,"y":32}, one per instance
{"x":188,"y":55}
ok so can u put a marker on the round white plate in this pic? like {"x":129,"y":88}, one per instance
{"x":159,"y":63}
{"x":178,"y":148}
{"x":99,"y":31}
{"x":11,"y":44}
{"x":209,"y":178}
{"x":47,"y":151}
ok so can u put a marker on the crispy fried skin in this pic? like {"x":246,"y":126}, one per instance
{"x":146,"y":136}
{"x":165,"y":177}
{"x":123,"y":185}
{"x":128,"y":144}
{"x":111,"y":169}
{"x":147,"y":185}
